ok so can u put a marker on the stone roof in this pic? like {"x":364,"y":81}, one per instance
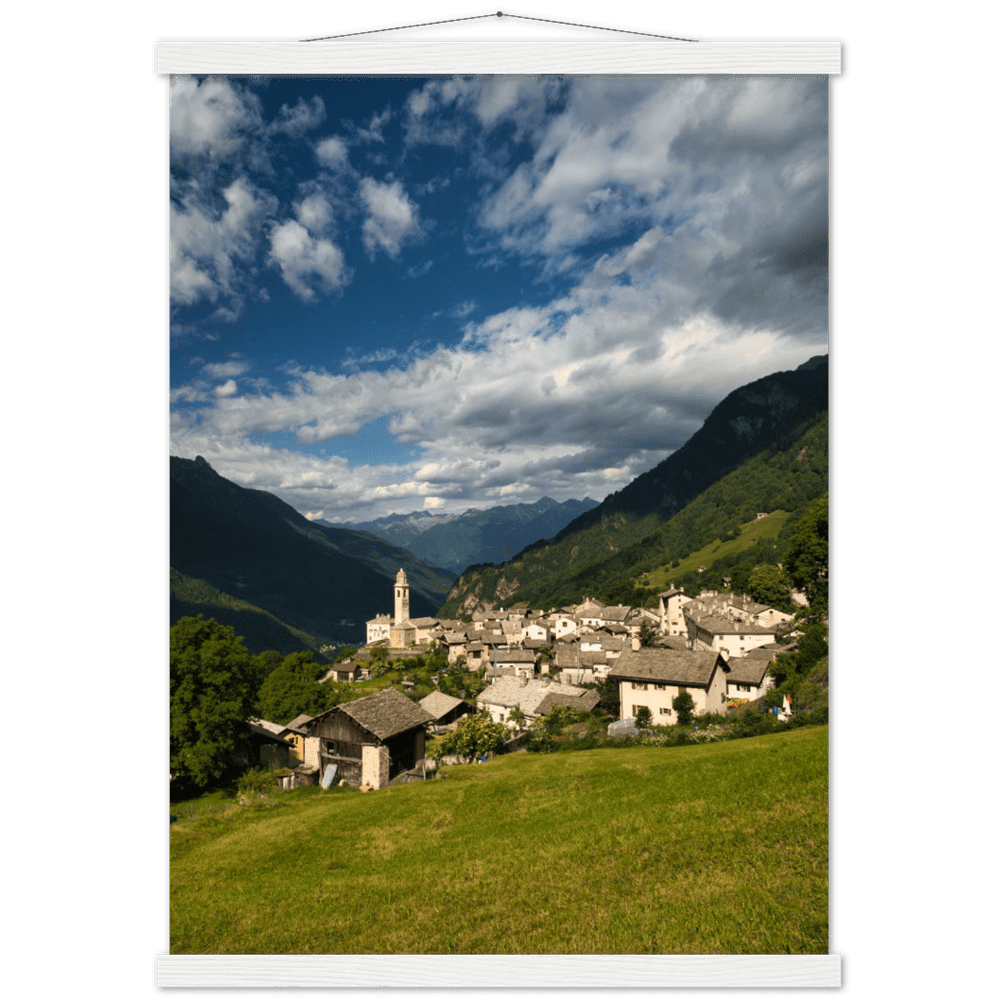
{"x":298,"y":722}
{"x":438,"y":704}
{"x":453,"y":638}
{"x":421,"y":622}
{"x":763,"y":653}
{"x":692,"y":668}
{"x":510,"y":691}
{"x":514,"y":656}
{"x":379,"y":620}
{"x":261,"y":733}
{"x":749,"y":606}
{"x":385,"y":713}
{"x":271,"y":727}
{"x":616,"y":614}
{"x":674,"y":642}
{"x":747,"y":670}
{"x":723,"y":626}
{"x":566,"y":656}
{"x":586,"y":700}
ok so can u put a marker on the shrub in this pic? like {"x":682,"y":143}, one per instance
{"x":684,"y":707}
{"x":258,"y":781}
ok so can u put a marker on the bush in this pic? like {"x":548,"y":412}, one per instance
{"x":684,"y":707}
{"x":258,"y":781}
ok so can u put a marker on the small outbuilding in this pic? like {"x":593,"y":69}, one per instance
{"x":373,"y":739}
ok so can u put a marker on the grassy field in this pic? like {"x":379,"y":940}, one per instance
{"x":752,"y":533}
{"x":718,"y":849}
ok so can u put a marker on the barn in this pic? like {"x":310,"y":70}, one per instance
{"x":373,"y":739}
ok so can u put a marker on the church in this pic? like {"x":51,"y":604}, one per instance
{"x":401,"y":631}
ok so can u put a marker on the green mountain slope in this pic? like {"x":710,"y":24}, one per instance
{"x":609,"y":560}
{"x":260,"y":628}
{"x":325,"y":582}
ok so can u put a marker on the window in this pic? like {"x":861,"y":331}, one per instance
{"x":636,"y":686}
{"x":635,"y":709}
{"x":666,"y":711}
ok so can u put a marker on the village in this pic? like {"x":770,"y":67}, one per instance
{"x":715,"y":647}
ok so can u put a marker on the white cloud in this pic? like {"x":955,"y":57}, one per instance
{"x":228,"y":388}
{"x":332,"y":153}
{"x":299,"y":119}
{"x":307,"y":263}
{"x":208,"y":244}
{"x":391,"y":218}
{"x":211,"y":117}
{"x":226,"y":369}
{"x":314,"y":212}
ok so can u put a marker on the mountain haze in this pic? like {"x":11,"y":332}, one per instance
{"x":495,"y":535}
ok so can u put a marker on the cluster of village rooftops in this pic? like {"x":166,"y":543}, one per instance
{"x":716,"y":647}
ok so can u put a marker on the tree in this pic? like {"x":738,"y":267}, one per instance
{"x":609,"y":693}
{"x":770,"y":585}
{"x":292,"y":689}
{"x":808,"y":558}
{"x":643,"y":717}
{"x":517,"y":717}
{"x":213,"y":680}
{"x":684,"y":707}
{"x":474,"y":736}
{"x":647,"y":635}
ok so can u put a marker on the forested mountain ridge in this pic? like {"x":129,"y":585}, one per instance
{"x":620,"y":557}
{"x":326,"y":582}
{"x":748,"y":419}
{"x":495,"y":534}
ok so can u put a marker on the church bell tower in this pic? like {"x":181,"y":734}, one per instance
{"x":402,"y":598}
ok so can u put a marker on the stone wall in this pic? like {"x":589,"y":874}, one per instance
{"x":375,"y":766}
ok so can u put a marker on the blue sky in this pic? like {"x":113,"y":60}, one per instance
{"x":393,"y":295}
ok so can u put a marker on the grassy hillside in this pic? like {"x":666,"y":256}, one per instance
{"x":718,"y":849}
{"x":608,"y":560}
{"x":260,"y":629}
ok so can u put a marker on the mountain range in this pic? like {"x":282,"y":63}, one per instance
{"x":244,"y":555}
{"x":494,"y":535}
{"x":762,"y":450}
{"x":248,"y":559}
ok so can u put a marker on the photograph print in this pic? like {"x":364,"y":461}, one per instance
{"x":498,"y":515}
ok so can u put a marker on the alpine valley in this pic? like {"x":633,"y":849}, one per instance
{"x":726,"y":501}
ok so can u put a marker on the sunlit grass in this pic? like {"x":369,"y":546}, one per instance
{"x":703,"y":849}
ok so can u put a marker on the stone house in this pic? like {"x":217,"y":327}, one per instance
{"x":652,"y":678}
{"x":373,"y":739}
{"x":671,"y":617}
{"x":512,"y":663}
{"x":377,"y":629}
{"x":445,"y":709}
{"x":748,"y":677}
{"x":725,"y":636}
{"x":503,"y":694}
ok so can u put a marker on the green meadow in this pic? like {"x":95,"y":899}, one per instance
{"x":717,"y":849}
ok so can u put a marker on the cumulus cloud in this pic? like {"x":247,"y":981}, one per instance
{"x":300,"y":118}
{"x":211,"y":117}
{"x":210,"y":240}
{"x":332,"y":153}
{"x":391,"y":216}
{"x":226,"y":369}
{"x":686,"y":219}
{"x":307,"y":263}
